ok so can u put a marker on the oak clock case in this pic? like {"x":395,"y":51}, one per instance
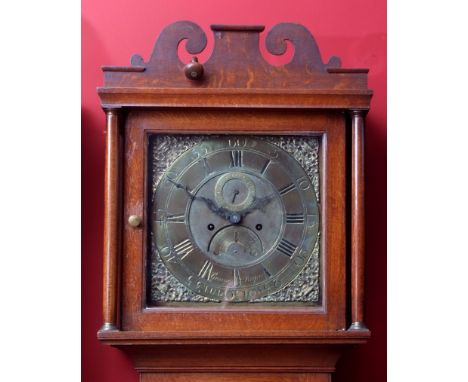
{"x":234,"y":208}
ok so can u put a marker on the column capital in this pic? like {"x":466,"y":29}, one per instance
{"x":112,"y":110}
{"x":358,"y":112}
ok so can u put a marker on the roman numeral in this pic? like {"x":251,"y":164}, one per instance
{"x":265,"y":166}
{"x":206,"y":166}
{"x":237,"y":279}
{"x":171,"y":259}
{"x":206,"y":269}
{"x":184,"y":248}
{"x":295,"y":218}
{"x":236,"y":158}
{"x":268,"y":274}
{"x":288,"y":188}
{"x":286,"y":247}
{"x":176,"y":218}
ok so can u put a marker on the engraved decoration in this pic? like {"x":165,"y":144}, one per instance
{"x":164,"y":288}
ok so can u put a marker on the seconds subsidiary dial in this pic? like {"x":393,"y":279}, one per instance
{"x":235,"y":219}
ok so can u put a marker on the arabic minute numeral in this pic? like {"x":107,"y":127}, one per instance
{"x":304,"y":183}
{"x":167,"y":255}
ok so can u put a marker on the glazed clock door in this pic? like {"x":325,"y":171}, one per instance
{"x":233,"y":220}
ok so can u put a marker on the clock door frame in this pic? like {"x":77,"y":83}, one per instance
{"x":193,"y":318}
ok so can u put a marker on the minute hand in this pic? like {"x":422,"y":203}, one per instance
{"x":258,"y":204}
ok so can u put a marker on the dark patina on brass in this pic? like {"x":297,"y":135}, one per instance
{"x":235,"y":219}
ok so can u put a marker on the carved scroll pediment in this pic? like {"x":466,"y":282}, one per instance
{"x":236,"y":61}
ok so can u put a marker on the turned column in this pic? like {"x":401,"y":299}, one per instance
{"x":357,"y":220}
{"x":111,"y":222}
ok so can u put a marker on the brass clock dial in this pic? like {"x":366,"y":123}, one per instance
{"x":235,"y":219}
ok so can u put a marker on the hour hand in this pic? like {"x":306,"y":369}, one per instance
{"x":220,"y":211}
{"x":181,"y":186}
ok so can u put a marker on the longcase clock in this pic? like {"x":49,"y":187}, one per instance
{"x":234,"y":208}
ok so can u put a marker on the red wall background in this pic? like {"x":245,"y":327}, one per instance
{"x":112,"y":30}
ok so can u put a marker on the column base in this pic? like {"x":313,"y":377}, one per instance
{"x":358,"y":326}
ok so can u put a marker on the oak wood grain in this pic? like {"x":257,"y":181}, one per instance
{"x":111,"y":223}
{"x":239,"y":93}
{"x":330,"y":127}
{"x":235,"y":377}
{"x":357,"y":220}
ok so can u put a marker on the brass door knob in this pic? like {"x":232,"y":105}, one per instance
{"x":134,"y":220}
{"x":193,"y":70}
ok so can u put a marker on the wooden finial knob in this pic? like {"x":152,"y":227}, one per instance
{"x":193,"y":70}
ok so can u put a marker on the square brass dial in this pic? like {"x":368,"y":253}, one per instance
{"x":200,"y":185}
